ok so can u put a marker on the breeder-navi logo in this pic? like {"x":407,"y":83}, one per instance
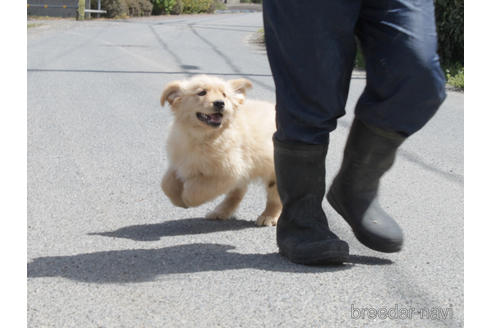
{"x":401,"y":313}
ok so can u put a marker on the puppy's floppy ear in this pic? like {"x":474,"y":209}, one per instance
{"x":172,"y":92}
{"x":241,"y":85}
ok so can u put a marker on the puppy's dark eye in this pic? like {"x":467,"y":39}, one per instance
{"x":202,"y":93}
{"x":224,"y":95}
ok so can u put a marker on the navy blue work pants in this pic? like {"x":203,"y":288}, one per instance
{"x":311,"y":49}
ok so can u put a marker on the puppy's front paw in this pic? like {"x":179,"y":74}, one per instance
{"x":217,"y":215}
{"x":268,"y":221}
{"x":179,"y":203}
{"x":189,"y":199}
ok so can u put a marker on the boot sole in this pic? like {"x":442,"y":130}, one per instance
{"x":336,"y":253}
{"x":369,"y":241}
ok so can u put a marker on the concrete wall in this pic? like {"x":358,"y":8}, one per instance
{"x":54,"y":8}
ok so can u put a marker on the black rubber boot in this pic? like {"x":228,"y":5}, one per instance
{"x":303,"y":235}
{"x":369,"y":153}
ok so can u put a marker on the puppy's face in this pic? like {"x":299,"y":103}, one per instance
{"x":205,"y":103}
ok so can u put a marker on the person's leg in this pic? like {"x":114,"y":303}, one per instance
{"x":405,"y":83}
{"x":311,"y":49}
{"x":369,"y":153}
{"x":405,"y":87}
{"x":303,"y":234}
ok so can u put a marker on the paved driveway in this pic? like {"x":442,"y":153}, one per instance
{"x":107,"y":249}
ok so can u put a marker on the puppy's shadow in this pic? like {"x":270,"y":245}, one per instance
{"x":193,"y":226}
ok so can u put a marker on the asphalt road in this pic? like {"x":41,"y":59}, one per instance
{"x":107,"y":249}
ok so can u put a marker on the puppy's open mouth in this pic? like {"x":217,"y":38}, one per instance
{"x":213,"y":120}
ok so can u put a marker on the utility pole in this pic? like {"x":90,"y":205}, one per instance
{"x":87,"y":6}
{"x":98,"y":8}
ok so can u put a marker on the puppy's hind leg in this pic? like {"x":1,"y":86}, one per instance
{"x":273,"y":207}
{"x":228,"y":206}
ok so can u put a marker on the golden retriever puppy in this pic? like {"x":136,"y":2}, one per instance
{"x":218,"y":143}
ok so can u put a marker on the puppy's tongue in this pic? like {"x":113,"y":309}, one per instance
{"x":216,"y":118}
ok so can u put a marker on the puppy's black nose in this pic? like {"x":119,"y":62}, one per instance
{"x":219,"y":105}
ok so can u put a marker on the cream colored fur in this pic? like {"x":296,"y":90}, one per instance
{"x":205,"y":161}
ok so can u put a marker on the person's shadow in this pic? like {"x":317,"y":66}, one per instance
{"x":181,"y":227}
{"x":139,"y":265}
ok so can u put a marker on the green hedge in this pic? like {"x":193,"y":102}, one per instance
{"x":139,"y":7}
{"x":198,"y":6}
{"x":176,"y":7}
{"x":122,"y":8}
{"x":450,"y":25}
{"x":170,"y":7}
{"x":114,"y":8}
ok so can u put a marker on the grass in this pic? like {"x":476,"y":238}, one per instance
{"x":455,"y":75}
{"x":219,"y":5}
{"x":259,"y":37}
{"x":34,"y":17}
{"x":31,"y":25}
{"x":360,"y":63}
